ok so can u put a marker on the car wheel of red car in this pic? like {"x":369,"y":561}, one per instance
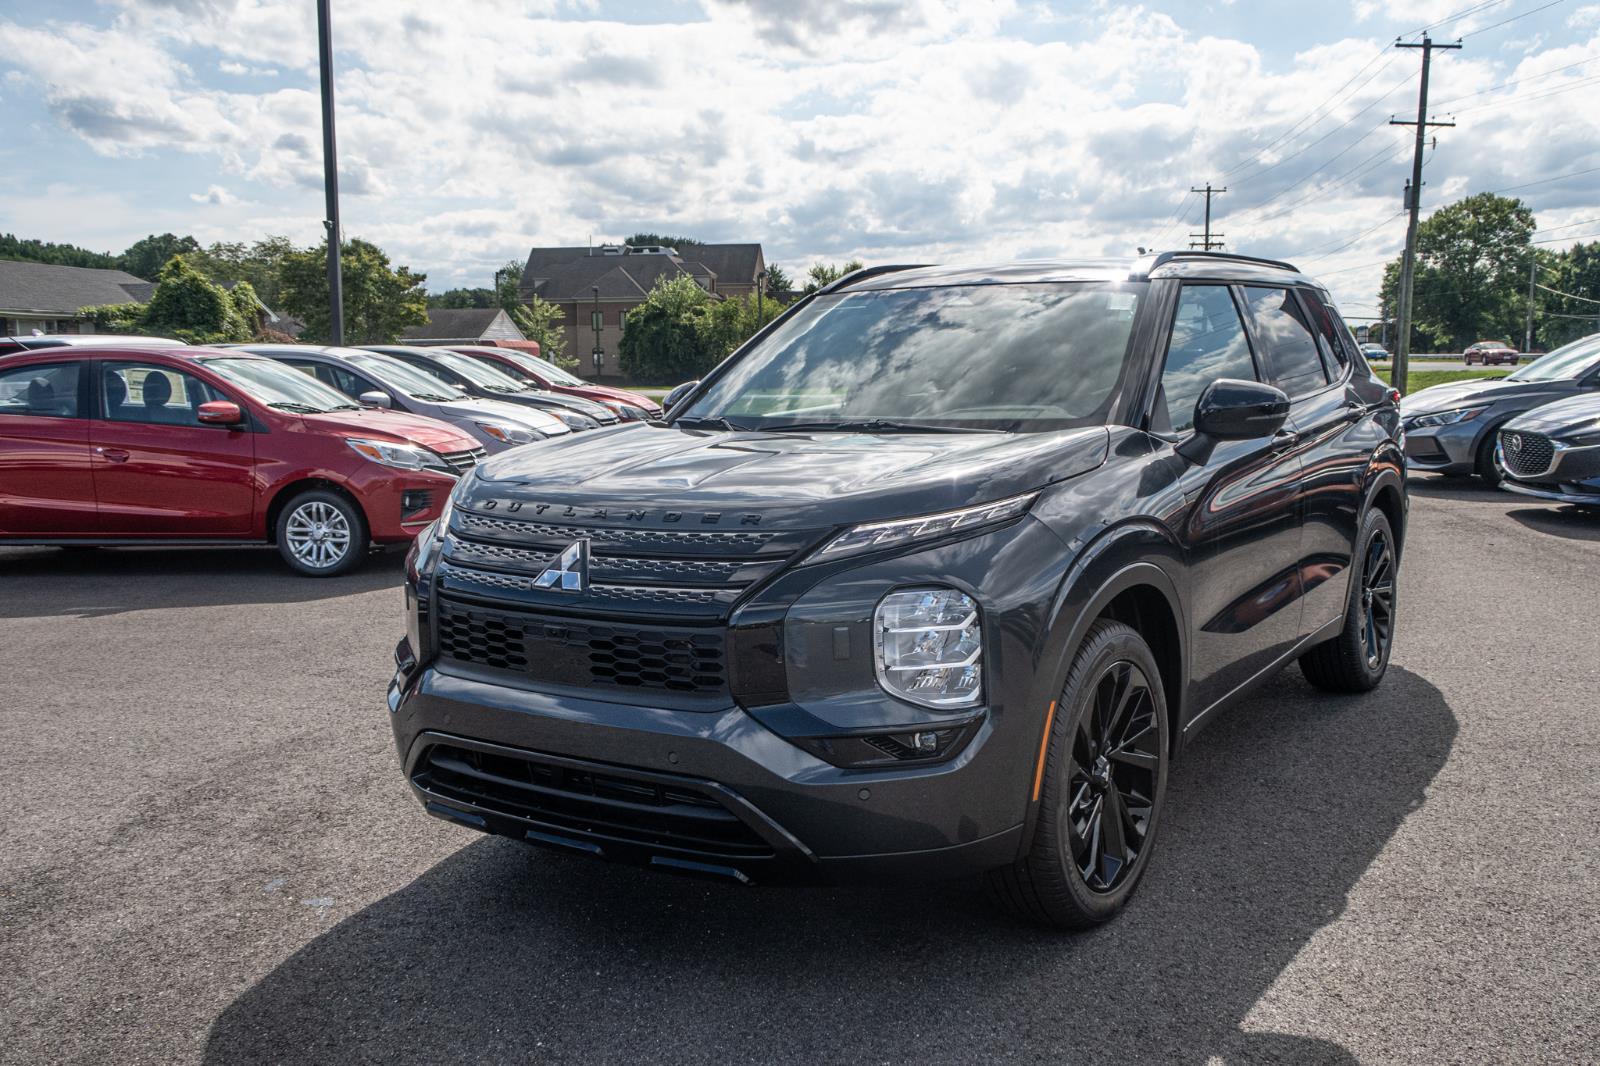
{"x":322,"y":534}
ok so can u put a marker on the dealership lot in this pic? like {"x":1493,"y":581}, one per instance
{"x":210,"y":855}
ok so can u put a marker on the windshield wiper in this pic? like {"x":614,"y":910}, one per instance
{"x":873,"y":425}
{"x":433,"y":397}
{"x":710,"y":423}
{"x":301,"y":408}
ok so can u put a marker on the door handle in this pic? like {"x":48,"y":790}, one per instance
{"x":1285,"y":438}
{"x":116,"y":455}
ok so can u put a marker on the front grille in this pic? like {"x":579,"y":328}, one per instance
{"x":567,"y":651}
{"x":461,"y":462}
{"x":597,"y":805}
{"x":1526,"y":454}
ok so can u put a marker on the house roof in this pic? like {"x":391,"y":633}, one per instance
{"x":53,"y":289}
{"x":563,"y":275}
{"x":465,"y":324}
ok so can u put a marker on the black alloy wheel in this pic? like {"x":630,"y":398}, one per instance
{"x":1377,"y":600}
{"x":1113,"y":777}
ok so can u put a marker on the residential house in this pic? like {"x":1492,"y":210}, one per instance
{"x":612,"y":279}
{"x":463,"y":325}
{"x":47,"y":298}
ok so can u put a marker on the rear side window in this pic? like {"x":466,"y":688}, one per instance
{"x":48,"y":390}
{"x":1208,"y":342}
{"x":1292,"y":358}
{"x":1330,"y":345}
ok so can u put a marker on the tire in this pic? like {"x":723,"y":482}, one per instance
{"x":1356,"y":659}
{"x":322,"y":534}
{"x":1129,"y":753}
{"x":1484,"y":464}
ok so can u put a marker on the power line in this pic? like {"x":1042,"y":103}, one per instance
{"x":1529,"y":97}
{"x":1317,"y":111}
{"x":1546,"y":181}
{"x":1558,"y":240}
{"x":1473,"y":10}
{"x":1519,"y":81}
{"x":1569,"y":225}
{"x":1568,"y":295}
{"x":1295,"y":155}
{"x":1513,"y":18}
{"x":1360,"y":170}
{"x":1352,"y":240}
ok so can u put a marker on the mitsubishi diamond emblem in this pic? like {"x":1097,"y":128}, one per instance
{"x":570,"y":573}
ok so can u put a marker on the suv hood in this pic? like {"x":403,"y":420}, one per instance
{"x":1467,"y":393}
{"x":788,"y":480}
{"x":395,"y":426}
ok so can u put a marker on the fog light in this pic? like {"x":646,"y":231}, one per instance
{"x":926,"y":743}
{"x":928,"y":647}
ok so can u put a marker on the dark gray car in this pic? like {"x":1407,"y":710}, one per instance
{"x":371,"y":378}
{"x":478,"y":379}
{"x":1451,"y":429}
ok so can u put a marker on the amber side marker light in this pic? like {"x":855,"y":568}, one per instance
{"x":1044,"y":748}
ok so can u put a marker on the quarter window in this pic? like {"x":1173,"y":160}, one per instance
{"x":133,"y":392}
{"x":1208,"y":342}
{"x":1329,"y":342}
{"x":48,"y":390}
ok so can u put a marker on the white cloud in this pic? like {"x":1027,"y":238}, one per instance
{"x":821,"y":128}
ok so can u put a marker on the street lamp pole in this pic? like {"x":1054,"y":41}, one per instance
{"x":330,"y":177}
{"x":761,"y":288}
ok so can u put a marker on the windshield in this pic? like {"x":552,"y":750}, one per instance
{"x":547,"y":370}
{"x":403,"y":377}
{"x":1569,"y":361}
{"x":280,"y":386}
{"x":1007,"y":357}
{"x":485,"y":377}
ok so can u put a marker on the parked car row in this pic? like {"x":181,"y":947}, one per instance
{"x":1535,"y":431}
{"x":319,"y":451}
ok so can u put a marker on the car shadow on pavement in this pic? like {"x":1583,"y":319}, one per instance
{"x":1569,"y":522}
{"x":1467,"y":489}
{"x":87,"y":583}
{"x":503,"y":953}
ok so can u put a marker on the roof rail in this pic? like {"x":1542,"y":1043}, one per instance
{"x":1167,"y":257}
{"x":869,"y":272}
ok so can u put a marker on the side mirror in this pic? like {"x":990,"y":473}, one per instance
{"x":676,"y":396}
{"x":219,"y":413}
{"x":375,"y":399}
{"x":1230,"y":409}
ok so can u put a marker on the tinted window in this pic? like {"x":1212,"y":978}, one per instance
{"x":1330,"y":345}
{"x":1013,"y":357}
{"x":135,"y":392}
{"x":1293,"y":362}
{"x":1208,"y":342}
{"x":50,"y":390}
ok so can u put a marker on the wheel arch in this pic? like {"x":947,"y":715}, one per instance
{"x":286,"y":492}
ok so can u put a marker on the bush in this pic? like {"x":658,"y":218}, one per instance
{"x":667,"y":337}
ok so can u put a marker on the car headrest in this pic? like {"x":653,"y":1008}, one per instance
{"x":157,"y":389}
{"x":41,"y":395}
{"x":116,"y":389}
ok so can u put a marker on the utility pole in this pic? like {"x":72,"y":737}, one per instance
{"x":1408,"y":265}
{"x":1206,"y":243}
{"x":330,"y":178}
{"x":1533,"y":274}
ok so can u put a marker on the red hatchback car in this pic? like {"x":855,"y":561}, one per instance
{"x":629,"y":406}
{"x":126,"y":445}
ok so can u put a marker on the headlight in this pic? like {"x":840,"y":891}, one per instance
{"x":626,"y":411}
{"x":576,"y":421}
{"x":401,"y":456}
{"x":928,"y":647}
{"x":1445,"y":418}
{"x":875,"y":535}
{"x":507,"y":434}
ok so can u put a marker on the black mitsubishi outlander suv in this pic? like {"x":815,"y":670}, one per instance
{"x":936,"y":574}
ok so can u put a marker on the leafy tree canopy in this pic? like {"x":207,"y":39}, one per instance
{"x":823,"y":274}
{"x":146,"y":258}
{"x":379,"y":301}
{"x":666,"y":336}
{"x":185,"y":305}
{"x":32,"y":251}
{"x":540,"y":321}
{"x":645,"y":240}
{"x":1566,"y":318}
{"x":778,"y":280}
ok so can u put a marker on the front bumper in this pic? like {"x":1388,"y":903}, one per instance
{"x":399,"y":504}
{"x":1451,"y":449}
{"x":594,"y":777}
{"x":1559,"y":494}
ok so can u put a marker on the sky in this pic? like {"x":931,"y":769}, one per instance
{"x":914,"y":131}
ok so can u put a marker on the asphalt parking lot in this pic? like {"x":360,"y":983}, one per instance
{"x":209,"y":856}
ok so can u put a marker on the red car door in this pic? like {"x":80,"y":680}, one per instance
{"x":45,"y":484}
{"x":157,"y":470}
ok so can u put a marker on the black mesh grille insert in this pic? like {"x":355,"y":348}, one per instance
{"x":579,"y":652}
{"x":602,"y":805}
{"x":1526,"y":454}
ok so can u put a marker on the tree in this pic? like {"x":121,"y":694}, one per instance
{"x":1471,"y":272}
{"x":148,"y":257}
{"x":540,"y":321}
{"x":646,"y":240}
{"x":509,"y":294}
{"x":735,"y":320}
{"x":455,"y":298}
{"x":379,"y":302}
{"x":1575,"y":271}
{"x":33,"y":251}
{"x":257,"y":263}
{"x":668,"y":339}
{"x":185,"y":305}
{"x":778,"y":280}
{"x":825,"y":274}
